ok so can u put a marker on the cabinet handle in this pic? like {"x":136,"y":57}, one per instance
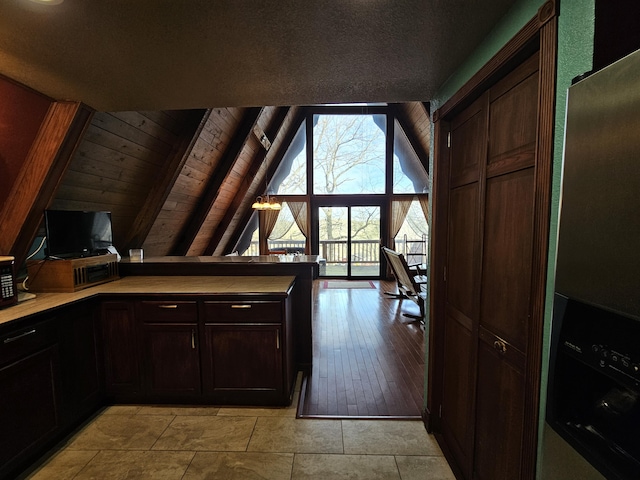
{"x":168,"y":306}
{"x":241,"y":306}
{"x":500,"y":346}
{"x":18,"y":337}
{"x":193,"y":339}
{"x":277,"y":339}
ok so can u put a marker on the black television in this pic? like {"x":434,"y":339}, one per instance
{"x":74,"y":234}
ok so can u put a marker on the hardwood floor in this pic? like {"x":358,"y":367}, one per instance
{"x":368,"y":359}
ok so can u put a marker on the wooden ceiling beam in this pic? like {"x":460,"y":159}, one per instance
{"x":166,"y":178}
{"x":284,"y":146}
{"x":198,"y":217}
{"x":272,"y":132}
{"x":40,"y":176}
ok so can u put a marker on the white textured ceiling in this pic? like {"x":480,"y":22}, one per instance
{"x":173,"y":54}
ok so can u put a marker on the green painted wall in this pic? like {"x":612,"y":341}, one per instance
{"x":575,"y":52}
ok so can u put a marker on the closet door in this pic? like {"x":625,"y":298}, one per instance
{"x":468,"y":153}
{"x":505,"y":297}
{"x":488,"y":276}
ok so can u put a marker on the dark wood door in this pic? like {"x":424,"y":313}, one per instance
{"x":488,"y":276}
{"x":468,"y":153}
{"x":172,"y":359}
{"x":120,"y":343}
{"x":243,"y":357}
{"x":28,"y":406}
{"x":79,"y":365}
{"x":169,"y":330}
{"x":505,"y":300}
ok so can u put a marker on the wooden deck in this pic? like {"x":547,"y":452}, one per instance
{"x":368,"y":359}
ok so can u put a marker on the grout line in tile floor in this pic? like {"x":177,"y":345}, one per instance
{"x":193,"y":443}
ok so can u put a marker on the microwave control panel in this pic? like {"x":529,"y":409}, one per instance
{"x":6,"y":282}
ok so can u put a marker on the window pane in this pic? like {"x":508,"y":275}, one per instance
{"x":286,"y":235}
{"x":291,"y":176}
{"x":409,"y":176}
{"x":348,"y":154}
{"x":413,"y":238}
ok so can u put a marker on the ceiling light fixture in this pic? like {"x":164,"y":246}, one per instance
{"x":266,"y":203}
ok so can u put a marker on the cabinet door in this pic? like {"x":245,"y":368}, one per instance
{"x":79,"y":364}
{"x":28,"y":407}
{"x":243,"y":358}
{"x":172,"y":359}
{"x":121,"y":363}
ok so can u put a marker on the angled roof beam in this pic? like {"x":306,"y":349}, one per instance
{"x":227,"y":161}
{"x":247,"y":211}
{"x":272,"y":132}
{"x":40,"y":176}
{"x":405,"y":123}
{"x":167,"y":177}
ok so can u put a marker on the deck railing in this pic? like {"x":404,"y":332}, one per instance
{"x":362,"y":251}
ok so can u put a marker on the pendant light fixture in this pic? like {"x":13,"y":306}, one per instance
{"x":266,"y":202}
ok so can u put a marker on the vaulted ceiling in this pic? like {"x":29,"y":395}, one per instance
{"x":176,"y":90}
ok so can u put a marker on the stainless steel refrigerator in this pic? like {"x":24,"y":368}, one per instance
{"x":593,"y":409}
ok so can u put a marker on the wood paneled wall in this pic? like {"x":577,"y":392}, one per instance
{"x":116,"y":164}
{"x":257,"y":185}
{"x":231,"y":185}
{"x":418,"y":119}
{"x":189,"y":187}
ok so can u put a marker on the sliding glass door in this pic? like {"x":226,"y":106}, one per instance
{"x":349,"y":240}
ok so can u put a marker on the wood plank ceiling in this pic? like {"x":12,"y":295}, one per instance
{"x":182,"y":182}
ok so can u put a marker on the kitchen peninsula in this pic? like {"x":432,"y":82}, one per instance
{"x":195,"y":339}
{"x":304,"y":267}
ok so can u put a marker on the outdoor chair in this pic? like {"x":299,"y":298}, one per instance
{"x":409,"y":281}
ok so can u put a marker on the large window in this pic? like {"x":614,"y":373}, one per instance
{"x":349,"y":154}
{"x":346,"y":187}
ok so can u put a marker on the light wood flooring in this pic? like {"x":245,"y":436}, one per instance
{"x":368,"y":359}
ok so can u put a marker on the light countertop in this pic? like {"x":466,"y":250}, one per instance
{"x":141,"y":285}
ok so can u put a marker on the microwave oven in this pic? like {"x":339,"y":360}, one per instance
{"x":8,"y":290}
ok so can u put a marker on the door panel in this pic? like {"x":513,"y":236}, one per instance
{"x":499,"y":416}
{"x":364,"y":239}
{"x":349,"y":238}
{"x":506,"y":266}
{"x":173,"y":359}
{"x":468,"y":154}
{"x":463,"y":265}
{"x":514,"y":108}
{"x":457,"y":401}
{"x":468,"y":144}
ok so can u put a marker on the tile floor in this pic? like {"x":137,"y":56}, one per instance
{"x":193,"y":443}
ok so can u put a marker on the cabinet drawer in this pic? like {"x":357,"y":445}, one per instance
{"x":243,"y":311}
{"x":22,"y":341}
{"x":167,"y":312}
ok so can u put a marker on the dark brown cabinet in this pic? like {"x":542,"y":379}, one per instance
{"x":120,"y":345}
{"x":171,"y":347}
{"x":236,"y":349}
{"x":247,"y":354}
{"x":79,"y":362}
{"x":29,"y":399}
